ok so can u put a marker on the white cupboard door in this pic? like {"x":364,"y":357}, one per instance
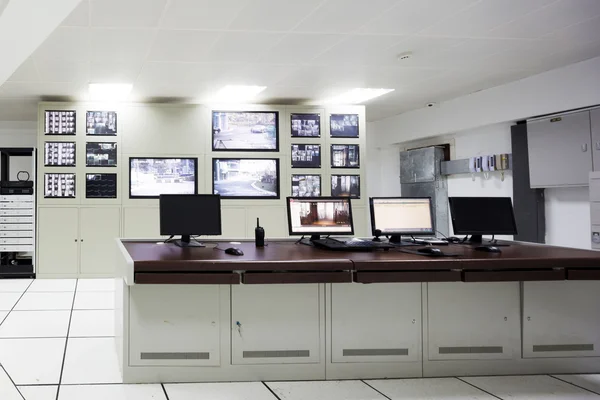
{"x":58,"y":243}
{"x":99,"y":228}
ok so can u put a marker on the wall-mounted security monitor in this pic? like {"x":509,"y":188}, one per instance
{"x":101,"y":123}
{"x":345,"y":156}
{"x":306,"y":156}
{"x":345,"y":186}
{"x":59,"y":154}
{"x":343,"y":125}
{"x":397,"y":216}
{"x":246,"y":178}
{"x":149,"y":177}
{"x":319,"y":216}
{"x":100,"y":154}
{"x":101,"y":186}
{"x":245,"y":130}
{"x":306,"y":185}
{"x":59,"y":185}
{"x":479,"y":216}
{"x":60,"y":122}
{"x":306,"y":125}
{"x":189,"y":215}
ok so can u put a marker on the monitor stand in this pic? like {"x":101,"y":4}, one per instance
{"x":478,"y":240}
{"x":308,"y":242}
{"x":396,"y":239}
{"x":187,"y":241}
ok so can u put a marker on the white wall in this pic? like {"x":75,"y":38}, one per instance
{"x":18,"y":134}
{"x":568,"y":217}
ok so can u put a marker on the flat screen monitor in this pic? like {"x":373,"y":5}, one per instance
{"x":306,"y":125}
{"x":345,"y":186}
{"x":100,"y":154}
{"x":317,"y":216}
{"x":306,"y":156}
{"x":101,"y":123}
{"x":345,"y":156}
{"x":306,"y":185}
{"x":397,"y":216}
{"x":189,"y":215}
{"x":101,"y":186}
{"x":245,"y":130}
{"x":343,"y":125}
{"x":59,"y":154}
{"x":149,"y":177}
{"x":246,"y":178}
{"x":482,"y":216}
{"x":60,"y":122}
{"x":59,"y":185}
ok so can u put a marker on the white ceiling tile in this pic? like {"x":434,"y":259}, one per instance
{"x":26,"y":72}
{"x":273,"y":15}
{"x":242,"y":46}
{"x":35,"y":89}
{"x":587,"y":31}
{"x":129,"y":13}
{"x":80,"y":16}
{"x":257,"y":74}
{"x":120,"y":45}
{"x":411,"y":16}
{"x":549,"y":19}
{"x":3,"y":4}
{"x":343,"y":16}
{"x":64,"y":71}
{"x":65,"y":43}
{"x":109,"y":72}
{"x":201,"y":14}
{"x":483,"y":17}
{"x":185,"y":46}
{"x":300,"y":48}
{"x":366,"y":49}
{"x":424,"y":50}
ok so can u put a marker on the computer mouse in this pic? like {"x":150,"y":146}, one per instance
{"x":434,"y":251}
{"x":234,"y":251}
{"x":453,"y":240}
{"x":488,"y":249}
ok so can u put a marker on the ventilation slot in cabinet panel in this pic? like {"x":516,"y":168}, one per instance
{"x":563,"y":347}
{"x":276,"y":353}
{"x":175,"y":356}
{"x":375,"y":352}
{"x":472,"y":350}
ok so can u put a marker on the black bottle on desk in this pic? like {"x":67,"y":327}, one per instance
{"x":259,"y":235}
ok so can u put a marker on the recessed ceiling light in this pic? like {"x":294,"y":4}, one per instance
{"x":238,"y":93}
{"x":109,"y":91}
{"x":358,"y":96}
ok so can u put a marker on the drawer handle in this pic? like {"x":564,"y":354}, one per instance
{"x":584,"y":147}
{"x":597,"y":145}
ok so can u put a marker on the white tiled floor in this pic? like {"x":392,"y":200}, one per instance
{"x":61,"y":332}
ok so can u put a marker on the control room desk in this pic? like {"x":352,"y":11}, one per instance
{"x":289,"y":311}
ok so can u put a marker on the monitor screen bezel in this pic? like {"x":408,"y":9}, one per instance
{"x":243,"y":149}
{"x":305,"y":197}
{"x":60,"y":134}
{"x":102,"y":166}
{"x":316,"y":166}
{"x":277,"y":169}
{"x":331,"y":135}
{"x":403,"y":233}
{"x":318,"y":117}
{"x":462,"y":232}
{"x":163,"y":158}
{"x":116,"y":196}
{"x":160,"y":227}
{"x":324,"y":198}
{"x":345,"y":197}
{"x":63,"y":165}
{"x":347,"y":145}
{"x":61,"y":197}
{"x":87,"y":113}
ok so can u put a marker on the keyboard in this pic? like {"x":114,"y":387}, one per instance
{"x":351,"y":245}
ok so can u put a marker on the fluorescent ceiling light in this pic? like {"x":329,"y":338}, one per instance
{"x":109,"y":91}
{"x":238,"y":93}
{"x":358,"y":95}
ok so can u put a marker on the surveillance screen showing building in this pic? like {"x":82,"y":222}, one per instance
{"x":246,"y":178}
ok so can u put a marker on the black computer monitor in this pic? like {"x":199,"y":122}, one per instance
{"x":479,"y":216}
{"x":316,"y":216}
{"x":189,"y":215}
{"x":397,"y":216}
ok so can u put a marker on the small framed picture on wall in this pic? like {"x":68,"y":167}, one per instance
{"x":306,"y":125}
{"x":343,"y":125}
{"x":345,"y":186}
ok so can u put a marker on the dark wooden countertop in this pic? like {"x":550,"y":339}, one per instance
{"x":287,"y":262}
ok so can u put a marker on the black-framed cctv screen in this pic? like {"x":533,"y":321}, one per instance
{"x":343,"y":125}
{"x":345,"y":156}
{"x":59,"y":185}
{"x":345,"y":186}
{"x":306,"y":185}
{"x":101,"y":186}
{"x":60,"y":122}
{"x":59,"y":154}
{"x":101,"y":123}
{"x":149,"y":177}
{"x":306,"y":156}
{"x":101,"y":154}
{"x":306,"y":125}
{"x":246,"y":178}
{"x":245,"y":131}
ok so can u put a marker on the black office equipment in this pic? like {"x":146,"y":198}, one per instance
{"x":432,"y":251}
{"x":488,"y":249}
{"x":101,"y":186}
{"x":259,"y":235}
{"x":316,"y":216}
{"x":350,"y":245}
{"x":398,"y":216}
{"x":189,"y":215}
{"x":477,"y":216}
{"x":234,"y":251}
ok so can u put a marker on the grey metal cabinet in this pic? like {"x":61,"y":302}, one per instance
{"x":595,"y":126}
{"x":560,"y":151}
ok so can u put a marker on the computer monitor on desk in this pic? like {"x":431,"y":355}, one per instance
{"x":189,"y":215}
{"x":477,"y":216}
{"x":398,"y":216}
{"x":316,"y":216}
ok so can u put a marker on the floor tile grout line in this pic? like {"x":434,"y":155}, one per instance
{"x":270,"y":390}
{"x":573,"y":384}
{"x":378,"y":391}
{"x":62,"y":367}
{"x":13,"y":382}
{"x":162,"y":385}
{"x":478,"y":388}
{"x":17,"y":302}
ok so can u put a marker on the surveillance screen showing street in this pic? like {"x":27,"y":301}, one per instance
{"x":151,"y":177}
{"x":245,"y":131}
{"x":343,"y":125}
{"x":345,"y":186}
{"x":306,"y":125}
{"x":246,"y":178}
{"x":306,"y":185}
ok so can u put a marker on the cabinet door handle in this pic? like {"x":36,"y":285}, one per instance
{"x":597,"y":145}
{"x":584,"y":147}
{"x":75,"y":240}
{"x":81,"y":240}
